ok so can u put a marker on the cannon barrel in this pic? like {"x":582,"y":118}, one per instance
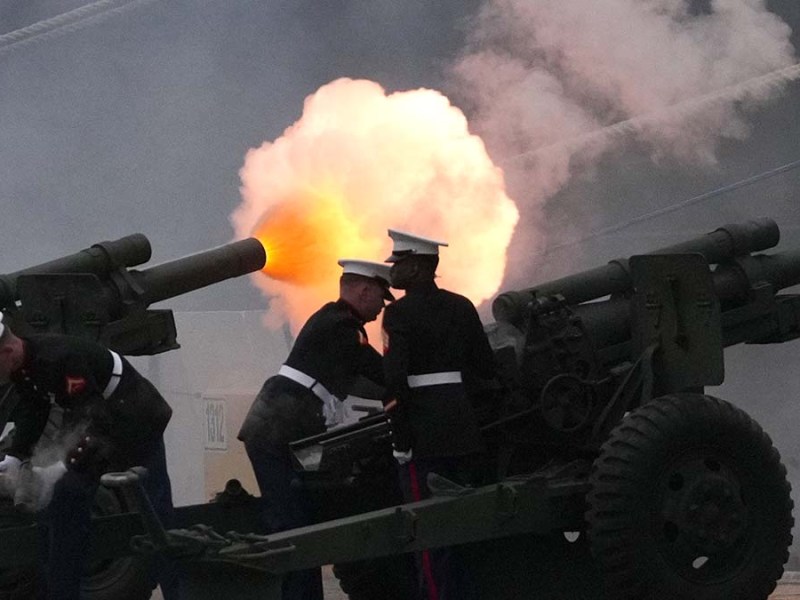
{"x":732,"y":280}
{"x":99,"y":258}
{"x":608,"y":321}
{"x":196,"y":271}
{"x":719,"y":245}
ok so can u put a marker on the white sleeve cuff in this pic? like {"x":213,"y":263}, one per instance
{"x":9,"y":462}
{"x":403,"y":457}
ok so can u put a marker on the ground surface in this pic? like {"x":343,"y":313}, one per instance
{"x":788,"y":588}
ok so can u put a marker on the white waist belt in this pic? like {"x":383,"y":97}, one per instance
{"x":417,"y":381}
{"x":306,"y":381}
{"x":332,"y":407}
{"x":116,"y":374}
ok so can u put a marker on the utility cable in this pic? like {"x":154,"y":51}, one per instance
{"x":683,"y":204}
{"x":64,"y":23}
{"x":757,"y":86}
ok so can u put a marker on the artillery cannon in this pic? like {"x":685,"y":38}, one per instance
{"x":601,"y":429}
{"x":676,"y":494}
{"x":95,"y":294}
{"x":92,"y":294}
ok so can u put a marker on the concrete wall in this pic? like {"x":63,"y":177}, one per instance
{"x":210,"y":382}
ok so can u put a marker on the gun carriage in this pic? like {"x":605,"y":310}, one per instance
{"x":676,"y":494}
{"x":599,"y":429}
{"x":96,"y":294}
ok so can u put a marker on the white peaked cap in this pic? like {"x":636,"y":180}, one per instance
{"x":406,"y":244}
{"x":368,"y":268}
{"x":2,"y":327}
{"x":365,"y":268}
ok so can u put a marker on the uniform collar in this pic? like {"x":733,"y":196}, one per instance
{"x":28,"y":352}
{"x":423,"y":287}
{"x":27,"y":361}
{"x":342,"y":303}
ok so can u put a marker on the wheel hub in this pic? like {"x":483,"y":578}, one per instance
{"x":713,"y":514}
{"x":566,"y":403}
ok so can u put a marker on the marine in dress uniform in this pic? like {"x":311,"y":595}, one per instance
{"x":305,"y":397}
{"x":435,"y":350}
{"x":119,"y":418}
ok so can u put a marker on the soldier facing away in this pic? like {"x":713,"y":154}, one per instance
{"x":435,"y":352}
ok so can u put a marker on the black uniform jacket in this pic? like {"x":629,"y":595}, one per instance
{"x":431,"y":330}
{"x":73,"y":372}
{"x":332,"y":348}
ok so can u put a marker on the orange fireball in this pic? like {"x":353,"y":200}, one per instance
{"x":358,"y":162}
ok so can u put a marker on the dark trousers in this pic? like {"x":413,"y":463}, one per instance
{"x":284,"y":506}
{"x":441,"y":571}
{"x":68,"y":518}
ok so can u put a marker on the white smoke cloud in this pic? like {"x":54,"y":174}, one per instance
{"x":537,"y":75}
{"x":359,"y":161}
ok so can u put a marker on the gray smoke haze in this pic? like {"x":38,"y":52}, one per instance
{"x":553,"y":87}
{"x":140,"y":121}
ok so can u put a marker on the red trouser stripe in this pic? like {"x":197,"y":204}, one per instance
{"x":427,"y":569}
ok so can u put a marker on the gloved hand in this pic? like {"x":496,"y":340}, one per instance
{"x":336,"y":412}
{"x":35,"y":487}
{"x":403,"y":457}
{"x":90,"y":455}
{"x":35,"y":491}
{"x":9,"y":475}
{"x":52,"y":472}
{"x":10,"y":465}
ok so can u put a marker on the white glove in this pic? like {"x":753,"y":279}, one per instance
{"x":329,"y":411}
{"x":335,"y":412}
{"x":403,"y":457}
{"x":9,"y":476}
{"x":35,"y":491}
{"x":51,"y":472}
{"x":10,"y":465}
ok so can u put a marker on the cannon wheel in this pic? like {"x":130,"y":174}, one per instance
{"x":386,"y":578}
{"x":17,"y":584}
{"x":689,"y":500}
{"x":121,"y":578}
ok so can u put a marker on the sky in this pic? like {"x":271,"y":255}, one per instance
{"x":139,"y":118}
{"x":141,"y":122}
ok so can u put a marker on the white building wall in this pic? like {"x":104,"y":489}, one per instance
{"x":223,"y":361}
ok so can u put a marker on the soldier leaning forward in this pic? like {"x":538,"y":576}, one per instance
{"x":306,"y":395}
{"x":120,"y":418}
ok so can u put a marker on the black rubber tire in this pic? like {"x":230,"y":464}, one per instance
{"x":383,"y":578}
{"x":689,"y":501}
{"x":17,"y":584}
{"x":123,"y":578}
{"x":386,"y":578}
{"x":528,"y":567}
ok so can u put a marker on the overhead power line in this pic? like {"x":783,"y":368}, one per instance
{"x":64,"y":23}
{"x":679,"y":205}
{"x":755,"y":86}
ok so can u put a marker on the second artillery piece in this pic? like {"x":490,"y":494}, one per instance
{"x":96,"y":294}
{"x":604,"y":426}
{"x":93,"y":293}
